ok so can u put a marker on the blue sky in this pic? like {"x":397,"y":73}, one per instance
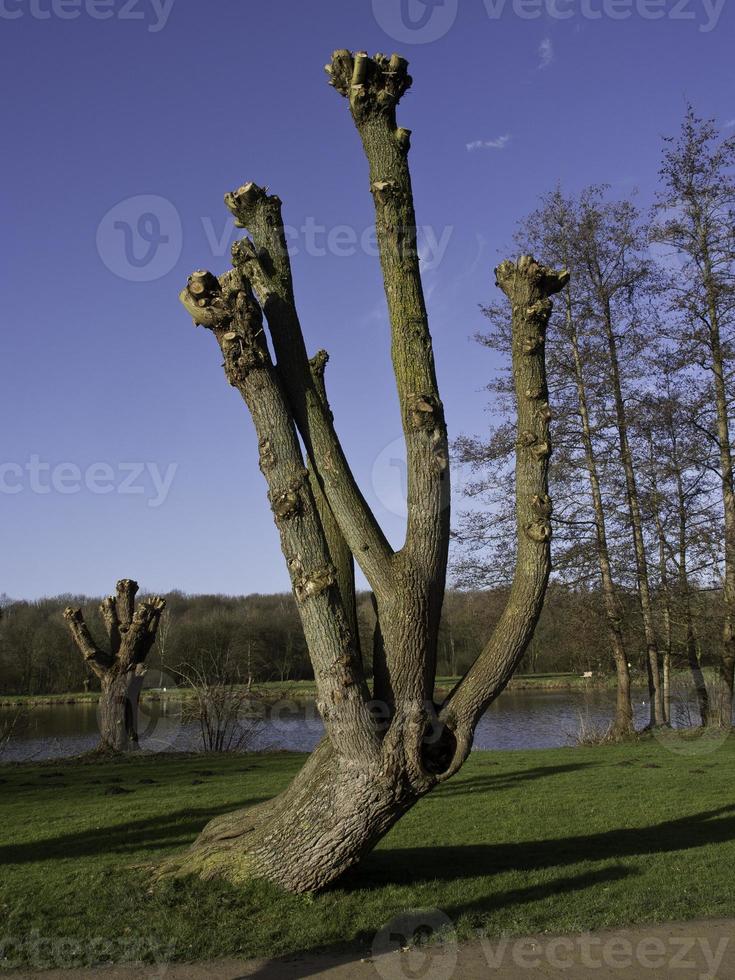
{"x":124,"y":452}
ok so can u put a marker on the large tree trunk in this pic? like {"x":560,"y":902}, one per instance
{"x":131,"y":634}
{"x":117,"y":711}
{"x":331,"y":815}
{"x":383,"y":750}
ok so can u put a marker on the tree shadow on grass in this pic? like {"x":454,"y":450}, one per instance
{"x":152,"y":834}
{"x":311,"y":963}
{"x":423,"y":864}
{"x":505,"y":780}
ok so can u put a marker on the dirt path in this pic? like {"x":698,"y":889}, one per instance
{"x":686,"y":951}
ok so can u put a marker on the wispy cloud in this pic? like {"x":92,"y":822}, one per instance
{"x":730,"y":124}
{"x":499,"y":143}
{"x":545,"y":53}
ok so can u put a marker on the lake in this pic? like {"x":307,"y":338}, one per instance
{"x":517,"y":720}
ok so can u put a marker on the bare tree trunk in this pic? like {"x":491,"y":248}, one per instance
{"x":623,"y":725}
{"x":690,"y":641}
{"x":665,"y":589}
{"x":634,"y":510}
{"x":131,"y":634}
{"x":372,"y":766}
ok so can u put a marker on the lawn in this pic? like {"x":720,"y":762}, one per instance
{"x":520,"y":842}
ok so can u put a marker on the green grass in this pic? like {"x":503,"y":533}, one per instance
{"x":518,"y":843}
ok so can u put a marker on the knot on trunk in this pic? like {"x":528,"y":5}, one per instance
{"x":307,"y":584}
{"x":243,"y":354}
{"x":539,"y":447}
{"x":424,"y":412}
{"x":288,"y":503}
{"x":533,"y":344}
{"x":539,"y":531}
{"x":536,"y":392}
{"x":542,"y":505}
{"x":374,"y":86}
{"x":267,"y":455}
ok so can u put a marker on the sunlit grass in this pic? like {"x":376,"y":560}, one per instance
{"x":520,"y":842}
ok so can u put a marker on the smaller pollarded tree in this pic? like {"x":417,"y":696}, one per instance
{"x":131,"y":634}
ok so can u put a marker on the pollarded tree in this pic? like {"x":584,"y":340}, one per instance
{"x":384,"y":749}
{"x":121,"y":668}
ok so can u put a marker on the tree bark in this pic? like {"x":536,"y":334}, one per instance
{"x":131,"y":634}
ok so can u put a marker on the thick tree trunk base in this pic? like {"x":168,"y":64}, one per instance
{"x":117,"y":712}
{"x":323,"y":824}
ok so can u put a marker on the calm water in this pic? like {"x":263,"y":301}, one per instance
{"x":518,"y":720}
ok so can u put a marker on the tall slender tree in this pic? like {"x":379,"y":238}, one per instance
{"x":694,"y":218}
{"x":613,"y":257}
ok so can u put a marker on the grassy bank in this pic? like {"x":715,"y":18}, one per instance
{"x":520,"y":842}
{"x":305,"y":690}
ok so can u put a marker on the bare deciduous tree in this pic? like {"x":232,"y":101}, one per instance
{"x":369,"y":770}
{"x":695,"y":219}
{"x":221,"y":704}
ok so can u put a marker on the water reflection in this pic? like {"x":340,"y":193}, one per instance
{"x":518,"y":720}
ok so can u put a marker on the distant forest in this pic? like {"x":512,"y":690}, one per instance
{"x":260,"y":637}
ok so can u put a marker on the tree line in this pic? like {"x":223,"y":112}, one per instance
{"x":640,"y":358}
{"x":260,"y":638}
